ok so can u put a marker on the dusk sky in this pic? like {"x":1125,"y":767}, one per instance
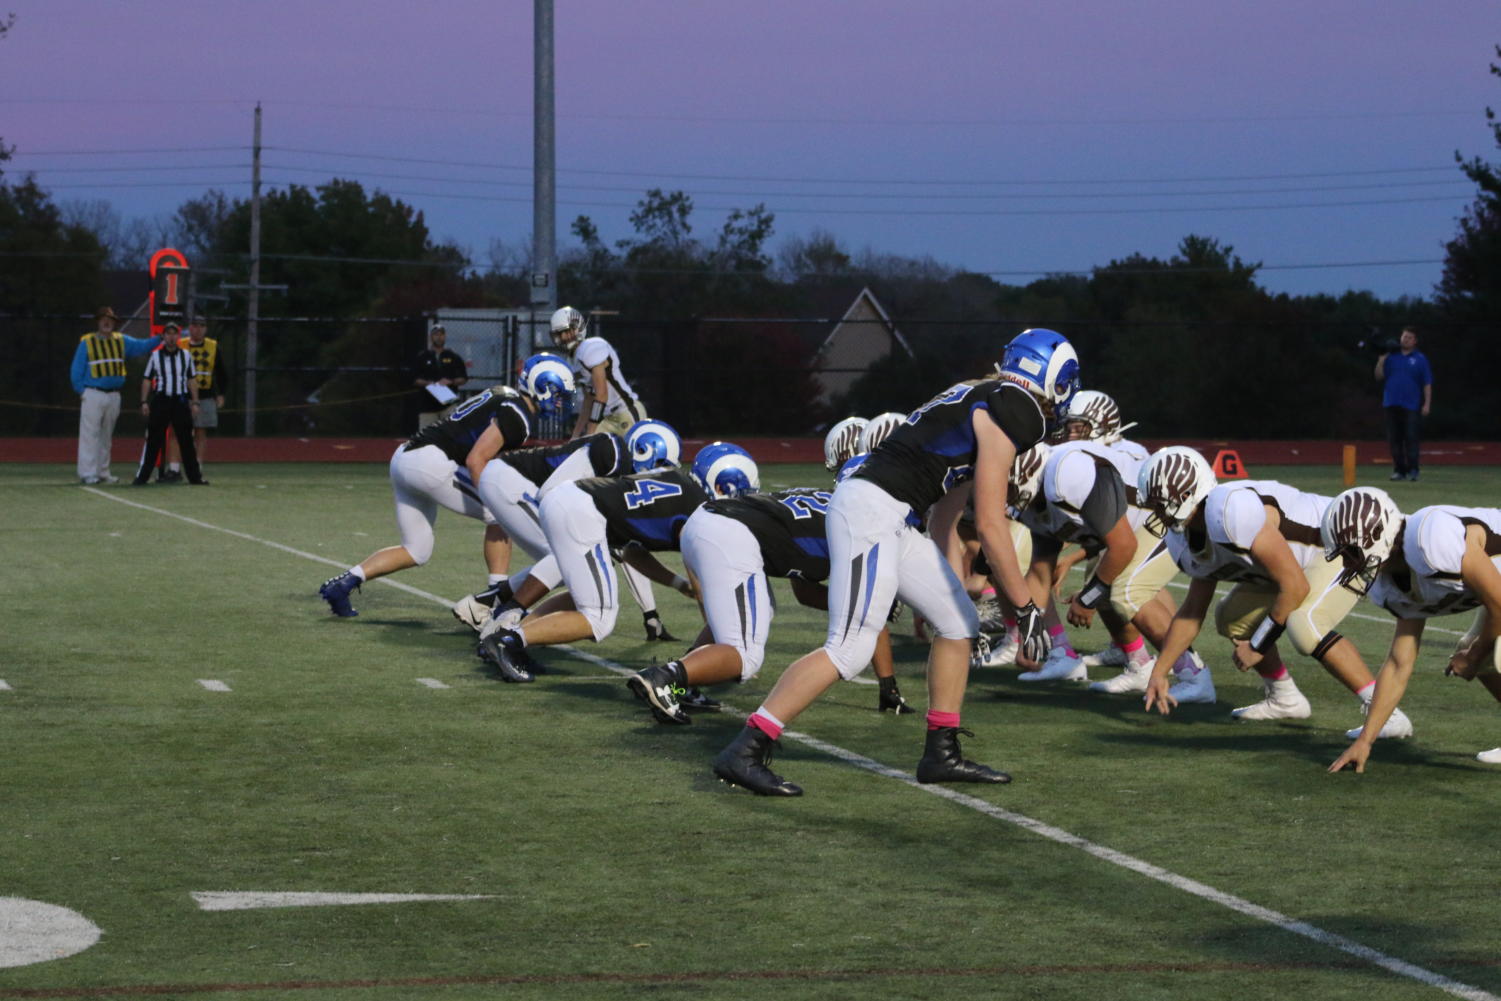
{"x":1014,"y":138}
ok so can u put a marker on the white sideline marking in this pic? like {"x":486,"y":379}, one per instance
{"x":209,"y":900}
{"x":4,"y":687}
{"x":35,"y":932}
{"x":431,"y":683}
{"x":1392,"y":964}
{"x":212,"y":685}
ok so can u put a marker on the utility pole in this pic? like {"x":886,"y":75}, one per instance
{"x":544,"y":169}
{"x":251,"y":332}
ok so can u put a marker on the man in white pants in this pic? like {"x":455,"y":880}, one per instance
{"x":97,"y":373}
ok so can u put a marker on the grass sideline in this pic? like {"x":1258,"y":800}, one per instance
{"x":619,"y":866}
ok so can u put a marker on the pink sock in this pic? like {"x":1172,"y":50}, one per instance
{"x":938,"y":720}
{"x":1367,"y":691}
{"x":1060,"y":638}
{"x":1136,"y":651}
{"x":1271,"y":675}
{"x":766,"y":723}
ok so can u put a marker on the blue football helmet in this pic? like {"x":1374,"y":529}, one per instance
{"x":725,"y":470}
{"x":653,"y":445}
{"x":547,"y":379}
{"x":1045,"y":364}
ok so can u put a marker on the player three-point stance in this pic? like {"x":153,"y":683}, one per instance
{"x":878,"y":553}
{"x":1264,"y":536}
{"x":439,"y":466}
{"x":1440,"y":561}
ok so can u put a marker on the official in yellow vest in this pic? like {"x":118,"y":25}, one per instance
{"x":213,"y":376}
{"x":98,"y":372}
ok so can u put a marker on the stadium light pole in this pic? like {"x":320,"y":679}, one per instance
{"x":544,"y":283}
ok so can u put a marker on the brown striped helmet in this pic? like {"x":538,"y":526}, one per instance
{"x":842,"y":442}
{"x":1099,"y":415}
{"x":1025,"y":481}
{"x":879,"y":429}
{"x":1360,"y":528}
{"x":1171,"y":485}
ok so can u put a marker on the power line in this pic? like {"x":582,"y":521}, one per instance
{"x":769,"y":179}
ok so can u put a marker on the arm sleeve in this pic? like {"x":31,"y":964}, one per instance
{"x":135,"y":346}
{"x":80,"y":367}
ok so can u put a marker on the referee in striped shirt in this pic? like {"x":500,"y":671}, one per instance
{"x":169,"y":397}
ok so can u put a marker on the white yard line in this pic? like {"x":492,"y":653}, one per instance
{"x":212,"y":900}
{"x":1392,"y":964}
{"x":212,"y":685}
{"x":431,"y":683}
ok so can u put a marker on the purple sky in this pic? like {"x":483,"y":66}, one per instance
{"x":1012,"y":138}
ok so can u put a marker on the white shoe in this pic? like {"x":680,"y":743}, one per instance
{"x":1133,"y":679}
{"x":1002,"y":652}
{"x":471,"y":612}
{"x":1111,"y":656}
{"x":1283,"y":701}
{"x":1491,"y":757}
{"x":1195,"y":687}
{"x":1396,"y":727}
{"x":1059,"y":666}
{"x":107,"y":478}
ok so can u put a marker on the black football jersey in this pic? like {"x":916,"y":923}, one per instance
{"x":934,"y":451}
{"x":457,"y":434}
{"x":648,"y":508}
{"x":607,"y":457}
{"x":789,"y":527}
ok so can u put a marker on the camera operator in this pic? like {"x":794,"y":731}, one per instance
{"x":1407,"y":396}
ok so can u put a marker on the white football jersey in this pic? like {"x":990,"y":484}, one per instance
{"x":1433,"y":544}
{"x":595,"y":351}
{"x":1068,"y":478}
{"x":1233,"y":515}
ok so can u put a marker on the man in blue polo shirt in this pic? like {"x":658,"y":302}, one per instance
{"x":1407,"y":396}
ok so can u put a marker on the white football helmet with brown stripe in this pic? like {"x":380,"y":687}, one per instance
{"x":1360,"y":527}
{"x":1171,"y":485}
{"x":1098,"y":414}
{"x":569,"y":328}
{"x":1026,"y":476}
{"x":879,"y":429}
{"x":842,"y":442}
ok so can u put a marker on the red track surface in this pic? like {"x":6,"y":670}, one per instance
{"x":1252,"y":453}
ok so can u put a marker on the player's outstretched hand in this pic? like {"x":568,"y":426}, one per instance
{"x":1245,"y":657}
{"x":1157,"y":696}
{"x":1355,"y":756}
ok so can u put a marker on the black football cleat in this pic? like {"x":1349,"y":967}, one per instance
{"x":744,"y":763}
{"x":511,"y":661}
{"x":696,"y":701}
{"x":655,"y":687}
{"x":942,"y":761}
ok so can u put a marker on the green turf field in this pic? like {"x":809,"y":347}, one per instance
{"x":610,"y":862}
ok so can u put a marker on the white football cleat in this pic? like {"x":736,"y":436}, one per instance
{"x":1060,"y":666}
{"x":1133,"y":679}
{"x":1111,"y":656}
{"x":1195,"y":687}
{"x":1491,"y":757}
{"x":1002,"y":652}
{"x":469,"y":611}
{"x":1396,"y":727}
{"x":1283,"y":701}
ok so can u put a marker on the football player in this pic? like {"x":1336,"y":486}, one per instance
{"x":1440,"y":561}
{"x":1264,"y":536}
{"x":512,"y":487}
{"x":587,"y":521}
{"x":964,"y":438}
{"x":731,"y":546}
{"x":438,"y":467}
{"x":842,"y":443}
{"x":609,"y":402}
{"x":1084,"y":500}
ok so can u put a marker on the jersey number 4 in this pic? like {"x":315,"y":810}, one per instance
{"x":649,"y":491}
